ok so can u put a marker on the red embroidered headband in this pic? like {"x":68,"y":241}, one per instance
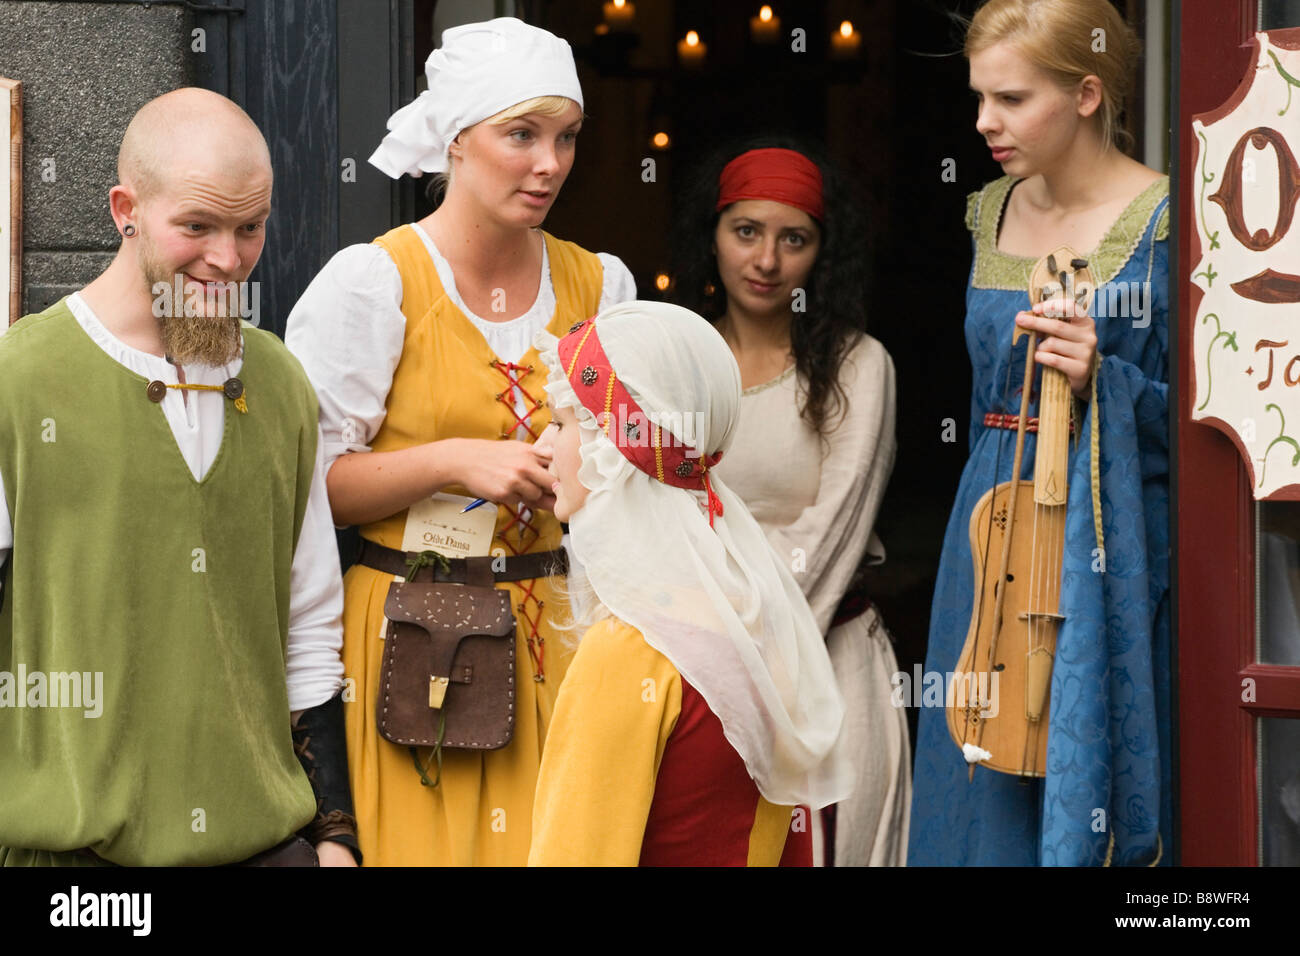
{"x":660,"y":453}
{"x":781,"y":175}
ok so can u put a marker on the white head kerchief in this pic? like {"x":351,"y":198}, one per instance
{"x":480,"y":70}
{"x":718,"y":602}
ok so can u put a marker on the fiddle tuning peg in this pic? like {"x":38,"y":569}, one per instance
{"x":1077,"y":264}
{"x":1051,"y":264}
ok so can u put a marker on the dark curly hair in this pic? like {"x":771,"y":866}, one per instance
{"x":836,"y":296}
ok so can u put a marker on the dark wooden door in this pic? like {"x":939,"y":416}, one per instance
{"x":320,"y":78}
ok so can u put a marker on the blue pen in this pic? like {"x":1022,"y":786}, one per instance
{"x":475,"y":504}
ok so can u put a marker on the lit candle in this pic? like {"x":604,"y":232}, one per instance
{"x":620,"y":15}
{"x":660,"y":140}
{"x":691,"y":50}
{"x":845,"y":42}
{"x":766,"y":27}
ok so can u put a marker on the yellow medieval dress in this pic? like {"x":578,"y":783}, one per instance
{"x":641,"y":772}
{"x":449,"y":384}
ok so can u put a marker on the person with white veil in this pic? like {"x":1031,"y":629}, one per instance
{"x":700,"y":706}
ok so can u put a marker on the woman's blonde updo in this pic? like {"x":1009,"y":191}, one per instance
{"x":1069,"y":39}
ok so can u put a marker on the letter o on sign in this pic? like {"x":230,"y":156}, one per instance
{"x":1288,"y":185}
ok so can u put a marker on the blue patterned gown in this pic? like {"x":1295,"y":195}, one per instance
{"x":1108,"y":751}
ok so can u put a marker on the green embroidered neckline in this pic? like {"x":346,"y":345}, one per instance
{"x":995,"y":269}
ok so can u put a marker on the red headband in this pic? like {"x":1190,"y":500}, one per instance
{"x":660,"y":453}
{"x":781,"y":175}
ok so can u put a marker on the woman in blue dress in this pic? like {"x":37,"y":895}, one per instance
{"x":1051,"y":77}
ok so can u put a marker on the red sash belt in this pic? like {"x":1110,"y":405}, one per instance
{"x":1011,"y":422}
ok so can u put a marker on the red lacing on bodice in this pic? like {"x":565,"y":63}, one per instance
{"x":506,"y":398}
{"x":530,"y":608}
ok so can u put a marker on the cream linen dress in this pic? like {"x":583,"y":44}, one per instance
{"x":817,"y":502}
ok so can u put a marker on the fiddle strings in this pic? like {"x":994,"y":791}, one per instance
{"x":988,"y":538}
{"x":1041,"y":576}
{"x":1029,"y":748}
{"x":1044,"y":564}
{"x":1036,"y":576}
{"x":1033,"y":622}
{"x":1046,"y":568}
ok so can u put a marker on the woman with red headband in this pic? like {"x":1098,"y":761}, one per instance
{"x":771,"y":254}
{"x":700,"y":707}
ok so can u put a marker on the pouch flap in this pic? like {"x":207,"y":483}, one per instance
{"x":450,"y":607}
{"x":449,"y":613}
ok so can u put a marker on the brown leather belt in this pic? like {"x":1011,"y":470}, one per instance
{"x":292,"y":851}
{"x":516,"y":567}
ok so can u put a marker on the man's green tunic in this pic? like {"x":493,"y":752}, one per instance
{"x":175,"y":590}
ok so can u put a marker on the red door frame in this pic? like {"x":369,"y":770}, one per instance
{"x":1214,"y":535}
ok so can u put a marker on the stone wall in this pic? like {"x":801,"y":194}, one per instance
{"x":85,"y":69}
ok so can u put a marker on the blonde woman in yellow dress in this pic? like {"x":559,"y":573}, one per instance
{"x":419,"y":346}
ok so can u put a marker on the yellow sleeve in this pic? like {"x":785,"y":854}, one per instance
{"x":616,"y":708}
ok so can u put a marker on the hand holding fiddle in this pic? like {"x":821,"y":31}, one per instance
{"x":1067,"y":344}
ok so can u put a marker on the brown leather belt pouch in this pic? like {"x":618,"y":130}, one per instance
{"x":448,"y":672}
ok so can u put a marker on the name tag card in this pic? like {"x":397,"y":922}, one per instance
{"x":436,"y":524}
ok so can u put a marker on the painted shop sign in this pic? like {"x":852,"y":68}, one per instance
{"x":1246,"y":335}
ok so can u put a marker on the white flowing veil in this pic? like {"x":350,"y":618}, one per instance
{"x":717,"y":601}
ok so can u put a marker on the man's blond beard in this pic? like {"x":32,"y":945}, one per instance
{"x":192,"y":339}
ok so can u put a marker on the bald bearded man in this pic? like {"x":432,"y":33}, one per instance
{"x":169,"y":583}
